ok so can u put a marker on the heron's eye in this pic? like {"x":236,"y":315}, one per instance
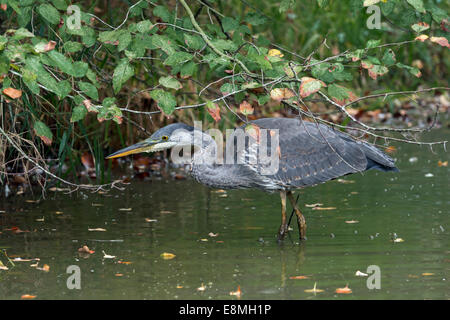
{"x":165,"y":138}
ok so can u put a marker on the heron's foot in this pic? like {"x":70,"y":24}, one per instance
{"x":301,"y":225}
{"x":282,"y":232}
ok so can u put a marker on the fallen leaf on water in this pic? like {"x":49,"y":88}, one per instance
{"x":27,"y":296}
{"x":236,"y":293}
{"x":313,"y":205}
{"x":119,"y":274}
{"x":442,"y":164}
{"x":390,"y":149}
{"x":97,"y":205}
{"x":429,"y":175}
{"x":150,"y":220}
{"x":97,"y":229}
{"x":125,"y":209}
{"x":40,"y":219}
{"x":361,"y":274}
{"x":85,"y":249}
{"x":345,"y":290}
{"x":352,"y":221}
{"x":345,"y":181}
{"x":165,"y":211}
{"x":398,"y":240}
{"x":107,"y":256}
{"x":3,"y":267}
{"x":201,"y":288}
{"x":427,"y":274}
{"x":125,"y":262}
{"x":314,"y":290}
{"x":299,"y":277}
{"x":219,"y":191}
{"x":413,"y":276}
{"x":45,"y":268}
{"x":211,"y":234}
{"x":324,"y":208}
{"x":204,"y":240}
{"x":18,"y":259}
{"x":167,"y":255}
{"x":180,"y":287}
{"x":59,"y":212}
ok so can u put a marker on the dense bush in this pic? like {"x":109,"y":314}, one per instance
{"x":72,"y":72}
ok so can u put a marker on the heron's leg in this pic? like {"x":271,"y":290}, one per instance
{"x":283,"y":228}
{"x":300,"y":218}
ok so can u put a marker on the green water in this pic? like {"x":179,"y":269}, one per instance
{"x":245,"y":253}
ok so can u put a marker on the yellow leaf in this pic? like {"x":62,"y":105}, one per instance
{"x":167,"y":255}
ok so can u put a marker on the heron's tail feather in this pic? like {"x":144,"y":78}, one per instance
{"x":376,"y":159}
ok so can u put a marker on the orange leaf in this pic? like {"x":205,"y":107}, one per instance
{"x":12,"y":93}
{"x":27,"y":296}
{"x":345,"y":290}
{"x":279,"y":94}
{"x":299,"y":277}
{"x":236,"y":293}
{"x":442,"y":164}
{"x":310,"y":86}
{"x":442,"y":41}
{"x":213,"y":110}
{"x":246,"y":108}
{"x":85,"y":249}
{"x":422,"y":37}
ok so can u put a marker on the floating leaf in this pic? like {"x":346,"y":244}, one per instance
{"x":314,"y":289}
{"x":299,"y":277}
{"x":167,"y":255}
{"x":27,"y":297}
{"x":345,"y":290}
{"x":236,"y":293}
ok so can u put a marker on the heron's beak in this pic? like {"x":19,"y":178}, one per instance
{"x":143,"y":146}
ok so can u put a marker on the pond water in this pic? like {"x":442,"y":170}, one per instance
{"x":159,"y":216}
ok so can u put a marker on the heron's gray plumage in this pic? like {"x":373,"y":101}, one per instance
{"x":310,"y":154}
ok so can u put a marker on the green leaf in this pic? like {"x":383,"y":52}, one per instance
{"x":255,"y":19}
{"x":49,"y":13}
{"x":42,"y":131}
{"x":166,"y":101}
{"x":418,"y":5}
{"x":64,"y":88}
{"x":89,"y":89}
{"x":321,"y":3}
{"x":193,"y":42}
{"x":229,"y":24}
{"x":78,"y":113}
{"x":72,"y":46}
{"x":144,"y":26}
{"x":124,"y":40}
{"x":388,"y":58}
{"x":372,"y":43}
{"x":338,"y":92}
{"x":60,"y":4}
{"x":61,"y":61}
{"x":122,"y":73}
{"x":170,"y":82}
{"x":21,"y":33}
{"x":177,"y":58}
{"x":163,"y":13}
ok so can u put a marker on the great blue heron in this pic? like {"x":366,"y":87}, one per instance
{"x":308,"y":154}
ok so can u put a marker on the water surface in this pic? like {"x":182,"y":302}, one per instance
{"x":245,"y":253}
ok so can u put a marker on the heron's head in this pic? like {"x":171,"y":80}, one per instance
{"x":176,"y":134}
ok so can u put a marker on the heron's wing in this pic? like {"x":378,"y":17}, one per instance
{"x":311,"y":153}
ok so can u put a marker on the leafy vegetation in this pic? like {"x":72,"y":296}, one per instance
{"x":72,"y":72}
